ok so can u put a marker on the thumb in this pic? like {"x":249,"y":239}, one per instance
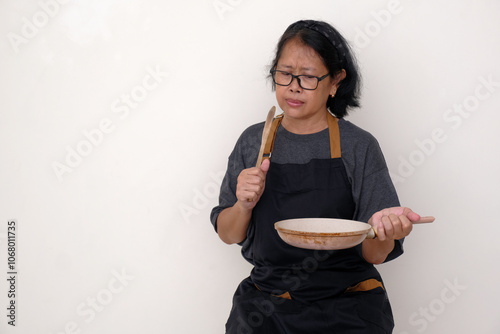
{"x":413,"y":216}
{"x":264,"y":167}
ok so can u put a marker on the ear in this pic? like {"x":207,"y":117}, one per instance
{"x":336,"y":81}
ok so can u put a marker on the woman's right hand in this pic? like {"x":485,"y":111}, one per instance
{"x":251,"y":184}
{"x":232,"y":223}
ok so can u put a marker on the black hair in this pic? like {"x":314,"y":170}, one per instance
{"x":322,"y":37}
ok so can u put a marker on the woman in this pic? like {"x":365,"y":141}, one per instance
{"x":321,"y":166}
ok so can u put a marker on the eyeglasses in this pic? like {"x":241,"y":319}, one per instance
{"x":308,"y":82}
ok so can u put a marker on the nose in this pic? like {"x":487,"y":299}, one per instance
{"x":295,"y":86}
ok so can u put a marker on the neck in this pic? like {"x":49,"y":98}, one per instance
{"x":304,"y":126}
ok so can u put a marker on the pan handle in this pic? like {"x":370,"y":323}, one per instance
{"x":425,"y":220}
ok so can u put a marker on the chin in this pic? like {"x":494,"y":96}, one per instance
{"x":295,"y":112}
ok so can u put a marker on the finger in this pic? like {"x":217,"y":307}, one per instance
{"x":379,"y":227}
{"x":254,"y":171}
{"x":264,"y":167}
{"x":252,"y":180}
{"x":375,"y":218}
{"x":381,"y":232}
{"x":406,"y":226}
{"x":244,"y":197}
{"x":387,"y":227}
{"x":397,"y":228}
{"x":398,"y":211}
{"x":375,"y":222}
{"x":252,"y":189}
{"x":247,"y":196}
{"x":251,"y":173}
{"x":413,"y":216}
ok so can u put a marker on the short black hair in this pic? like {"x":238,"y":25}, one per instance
{"x":334,"y":58}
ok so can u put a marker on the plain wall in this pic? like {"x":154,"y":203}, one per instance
{"x":117,"y":119}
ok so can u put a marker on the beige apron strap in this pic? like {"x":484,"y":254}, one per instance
{"x":367,"y":285}
{"x":333,"y":126}
{"x":285,"y":295}
{"x":272,"y":136}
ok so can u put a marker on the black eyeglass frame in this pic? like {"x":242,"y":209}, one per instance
{"x":298,"y":78}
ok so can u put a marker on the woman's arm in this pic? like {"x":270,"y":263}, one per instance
{"x":232,"y":223}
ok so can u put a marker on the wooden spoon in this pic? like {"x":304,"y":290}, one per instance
{"x":265,"y":134}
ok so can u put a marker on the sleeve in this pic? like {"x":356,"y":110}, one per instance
{"x":377,"y":192}
{"x":243,"y":156}
{"x":372,"y":187}
{"x":227,"y":195}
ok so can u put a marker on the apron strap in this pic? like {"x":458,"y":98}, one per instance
{"x":333,"y":127}
{"x":285,"y":295}
{"x":367,"y":285}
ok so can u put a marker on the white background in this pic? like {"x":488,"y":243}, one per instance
{"x":135,"y":203}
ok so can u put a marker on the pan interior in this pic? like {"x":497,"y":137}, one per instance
{"x":322,"y":226}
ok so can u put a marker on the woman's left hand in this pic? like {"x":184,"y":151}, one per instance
{"x":393,"y":223}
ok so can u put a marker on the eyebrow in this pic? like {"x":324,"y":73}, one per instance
{"x":301,"y":69}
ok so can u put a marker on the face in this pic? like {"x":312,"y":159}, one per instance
{"x":297,"y":103}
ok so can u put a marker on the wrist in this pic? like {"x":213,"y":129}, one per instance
{"x":376,"y":251}
{"x":243,"y":208}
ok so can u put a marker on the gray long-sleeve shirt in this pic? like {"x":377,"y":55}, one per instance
{"x":372,"y":187}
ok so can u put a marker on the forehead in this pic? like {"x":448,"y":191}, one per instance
{"x":297,"y":55}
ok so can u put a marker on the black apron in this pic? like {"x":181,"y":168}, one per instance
{"x":294,"y":290}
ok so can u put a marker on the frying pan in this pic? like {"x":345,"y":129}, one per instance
{"x":327,"y":233}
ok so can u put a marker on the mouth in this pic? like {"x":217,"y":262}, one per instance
{"x":294,"y":103}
